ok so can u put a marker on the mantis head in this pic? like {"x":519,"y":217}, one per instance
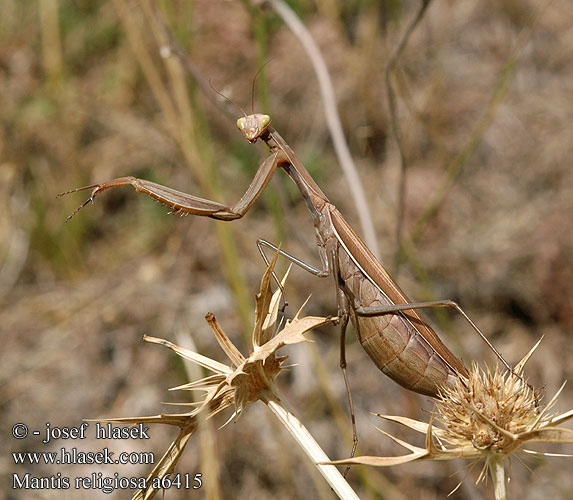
{"x":253,"y":126}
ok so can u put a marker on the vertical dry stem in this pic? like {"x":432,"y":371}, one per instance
{"x":497,"y":472}
{"x":332,"y":120}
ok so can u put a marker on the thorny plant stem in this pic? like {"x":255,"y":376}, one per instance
{"x":396,"y":129}
{"x":312,"y":450}
{"x":332,"y":119}
{"x":498,"y":477}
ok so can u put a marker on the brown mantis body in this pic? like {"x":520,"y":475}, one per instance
{"x":387,"y":323}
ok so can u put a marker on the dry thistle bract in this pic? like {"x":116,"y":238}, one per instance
{"x":247,"y":378}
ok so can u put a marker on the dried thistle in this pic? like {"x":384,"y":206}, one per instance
{"x":489,"y":416}
{"x":247,"y":379}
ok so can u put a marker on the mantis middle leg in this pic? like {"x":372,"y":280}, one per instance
{"x":344,"y":311}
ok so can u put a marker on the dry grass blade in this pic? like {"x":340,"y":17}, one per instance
{"x":392,"y":63}
{"x":332,"y":119}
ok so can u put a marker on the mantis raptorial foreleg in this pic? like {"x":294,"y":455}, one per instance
{"x":186,"y":204}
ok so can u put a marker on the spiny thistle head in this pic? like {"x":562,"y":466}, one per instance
{"x":467,"y":409}
{"x":489,"y":415}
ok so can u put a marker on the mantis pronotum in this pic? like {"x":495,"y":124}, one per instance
{"x":388,"y":325}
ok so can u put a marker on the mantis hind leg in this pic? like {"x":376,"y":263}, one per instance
{"x":379,"y":310}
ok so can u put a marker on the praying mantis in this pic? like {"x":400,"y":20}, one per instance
{"x":388,"y":325}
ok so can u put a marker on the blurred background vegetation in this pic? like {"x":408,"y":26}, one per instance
{"x":484,"y":93}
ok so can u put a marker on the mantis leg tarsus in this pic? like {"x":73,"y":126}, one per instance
{"x":96,"y":188}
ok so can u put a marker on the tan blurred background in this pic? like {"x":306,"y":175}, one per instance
{"x":485,"y":99}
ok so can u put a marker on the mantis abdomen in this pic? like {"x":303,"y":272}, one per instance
{"x":391,"y":341}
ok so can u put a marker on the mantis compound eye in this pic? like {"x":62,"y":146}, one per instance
{"x":264,"y":121}
{"x":241,"y":123}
